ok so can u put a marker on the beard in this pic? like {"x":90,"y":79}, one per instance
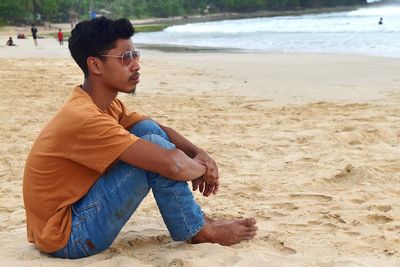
{"x":132,"y":91}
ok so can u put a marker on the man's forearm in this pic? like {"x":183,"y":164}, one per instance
{"x":185,"y":169}
{"x":211,"y":175}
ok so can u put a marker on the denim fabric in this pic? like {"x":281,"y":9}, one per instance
{"x":99,"y":216}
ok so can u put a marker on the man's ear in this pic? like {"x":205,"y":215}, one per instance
{"x":94,"y":65}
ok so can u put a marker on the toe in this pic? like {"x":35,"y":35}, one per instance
{"x":252,"y":229}
{"x":250,"y":222}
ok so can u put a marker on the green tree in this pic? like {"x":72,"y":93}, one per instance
{"x":165,"y":8}
{"x":49,"y":8}
{"x":17,"y":11}
{"x":13,"y":11}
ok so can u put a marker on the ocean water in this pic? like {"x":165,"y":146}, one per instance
{"x":354,"y":32}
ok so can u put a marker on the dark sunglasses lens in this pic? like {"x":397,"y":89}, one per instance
{"x":128,"y":56}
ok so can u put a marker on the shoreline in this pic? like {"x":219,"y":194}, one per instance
{"x":169,"y":48}
{"x":49,"y":47}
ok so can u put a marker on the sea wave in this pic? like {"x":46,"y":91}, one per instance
{"x":344,"y":32}
{"x":362,"y":21}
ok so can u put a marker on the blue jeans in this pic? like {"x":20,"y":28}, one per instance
{"x":99,"y":216}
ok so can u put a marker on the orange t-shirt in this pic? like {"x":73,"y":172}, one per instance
{"x":67,"y":158}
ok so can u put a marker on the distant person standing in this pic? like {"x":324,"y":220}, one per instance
{"x":34,"y":31}
{"x":60,"y":37}
{"x":380,"y":21}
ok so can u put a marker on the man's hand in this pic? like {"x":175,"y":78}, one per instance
{"x":205,"y":189}
{"x":209,"y":183}
{"x":198,"y":184}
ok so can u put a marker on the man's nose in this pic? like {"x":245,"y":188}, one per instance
{"x":135,"y":66}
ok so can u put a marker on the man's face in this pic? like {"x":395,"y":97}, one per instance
{"x":121,"y":74}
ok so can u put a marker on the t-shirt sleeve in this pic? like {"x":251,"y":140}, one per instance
{"x":128,"y":118}
{"x":100,"y":141}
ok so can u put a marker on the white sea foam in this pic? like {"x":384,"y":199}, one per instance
{"x":345,"y":32}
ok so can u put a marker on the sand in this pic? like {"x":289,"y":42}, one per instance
{"x":308,"y":144}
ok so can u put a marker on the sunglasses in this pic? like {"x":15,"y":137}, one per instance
{"x":127,"y":57}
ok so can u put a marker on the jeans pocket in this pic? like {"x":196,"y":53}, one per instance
{"x":82,"y":213}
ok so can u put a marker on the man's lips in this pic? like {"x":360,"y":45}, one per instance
{"x":135,"y":77}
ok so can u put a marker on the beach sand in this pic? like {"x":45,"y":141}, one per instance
{"x":307,"y":144}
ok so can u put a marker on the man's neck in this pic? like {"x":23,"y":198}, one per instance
{"x":101,"y":96}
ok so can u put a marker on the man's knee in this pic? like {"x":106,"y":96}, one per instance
{"x":159,"y":140}
{"x":148,"y":127}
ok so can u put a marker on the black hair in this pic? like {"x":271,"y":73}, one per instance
{"x":92,"y":38}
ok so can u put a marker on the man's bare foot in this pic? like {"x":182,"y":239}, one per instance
{"x":226,"y":233}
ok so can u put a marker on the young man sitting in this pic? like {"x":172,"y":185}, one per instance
{"x":95,"y":161}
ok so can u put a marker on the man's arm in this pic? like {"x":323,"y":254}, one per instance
{"x":209,"y":182}
{"x":173,"y":164}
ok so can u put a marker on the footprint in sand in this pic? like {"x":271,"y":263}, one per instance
{"x":357,"y":201}
{"x":285,"y":206}
{"x":145,"y":241}
{"x":316,"y":197}
{"x":335,"y":218}
{"x":256,"y":188}
{"x":378,"y":219}
{"x":393,"y":228}
{"x":348,"y":129}
{"x":354,"y":175}
{"x":352,"y":234}
{"x":278,"y":245}
{"x":384,"y":208}
{"x":309,"y":159}
{"x":304,"y":139}
{"x":354,"y":142}
{"x":176,"y":263}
